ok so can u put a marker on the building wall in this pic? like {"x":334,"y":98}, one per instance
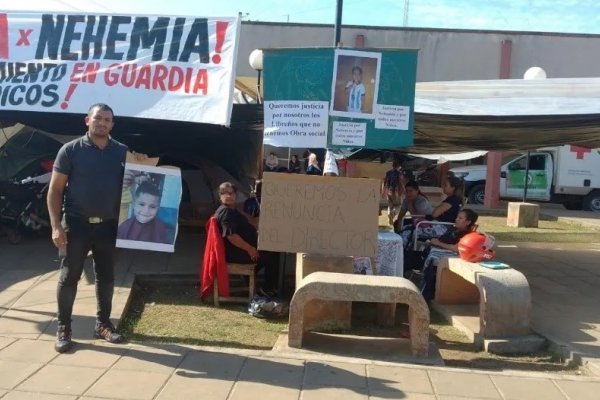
{"x":443,"y":54}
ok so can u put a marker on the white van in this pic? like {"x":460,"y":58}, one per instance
{"x":567,"y":174}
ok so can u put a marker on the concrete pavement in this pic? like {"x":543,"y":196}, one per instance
{"x":563,"y":281}
{"x":30,"y":369}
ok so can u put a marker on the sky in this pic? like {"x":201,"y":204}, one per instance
{"x":567,"y":16}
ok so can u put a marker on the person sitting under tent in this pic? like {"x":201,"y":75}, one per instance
{"x":415,"y":203}
{"x":445,"y":246}
{"x":313,"y":165}
{"x":294,"y":165}
{"x":241,"y":237}
{"x":446,"y":211}
{"x":392,"y":188}
{"x":272,"y":163}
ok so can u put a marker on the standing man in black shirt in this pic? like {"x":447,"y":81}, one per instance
{"x":86,"y":185}
{"x":392,"y":188}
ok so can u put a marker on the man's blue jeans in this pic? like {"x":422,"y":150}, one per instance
{"x":82,"y":237}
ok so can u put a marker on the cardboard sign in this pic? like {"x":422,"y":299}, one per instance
{"x":145,"y":66}
{"x":319,"y":215}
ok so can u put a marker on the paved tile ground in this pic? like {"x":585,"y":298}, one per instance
{"x":563,"y":281}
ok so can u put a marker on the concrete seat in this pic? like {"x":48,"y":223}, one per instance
{"x":322,"y":314}
{"x":502,"y":299}
{"x":248,"y":270}
{"x":332,"y":286}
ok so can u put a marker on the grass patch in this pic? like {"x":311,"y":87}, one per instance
{"x":174,"y":314}
{"x":547,"y":231}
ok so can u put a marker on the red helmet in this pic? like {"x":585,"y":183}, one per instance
{"x":476,"y":246}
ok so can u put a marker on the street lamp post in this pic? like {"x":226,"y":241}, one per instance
{"x":256,"y":62}
{"x":338,"y":23}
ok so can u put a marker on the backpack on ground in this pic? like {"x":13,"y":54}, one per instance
{"x":267,"y":307}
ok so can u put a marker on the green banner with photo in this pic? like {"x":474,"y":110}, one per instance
{"x":339,"y":97}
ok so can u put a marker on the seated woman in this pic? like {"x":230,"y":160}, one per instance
{"x":271,"y":163}
{"x":446,"y":211}
{"x":294,"y":165}
{"x":415,"y":202}
{"x":445,"y":246}
{"x":240,"y":239}
{"x":145,"y":225}
{"x":313,"y":165}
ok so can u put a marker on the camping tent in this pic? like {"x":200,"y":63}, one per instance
{"x":235,"y":148}
{"x":27,"y":147}
{"x":23,"y":149}
{"x":507,"y":114}
{"x":450,"y":117}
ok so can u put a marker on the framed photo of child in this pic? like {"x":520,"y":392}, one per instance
{"x":355,"y":84}
{"x":149,"y":208}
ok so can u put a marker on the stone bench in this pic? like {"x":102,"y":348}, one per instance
{"x":321,"y":314}
{"x":503,"y":302}
{"x":333,"y":286}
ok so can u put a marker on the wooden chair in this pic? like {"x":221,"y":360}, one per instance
{"x":214,"y":243}
{"x":248,"y":270}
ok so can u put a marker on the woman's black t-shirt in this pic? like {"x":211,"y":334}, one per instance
{"x":451,"y":214}
{"x":231,"y":221}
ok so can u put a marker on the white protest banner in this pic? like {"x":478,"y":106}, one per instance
{"x":296,"y":123}
{"x":148,"y":219}
{"x":319,"y":215}
{"x":159,"y":67}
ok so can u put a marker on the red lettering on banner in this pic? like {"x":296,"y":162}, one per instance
{"x":144,"y":77}
{"x":221,"y":31}
{"x":128,"y":75}
{"x":188,"y":78}
{"x":156,"y":77}
{"x":91,"y":70}
{"x":77,"y":71}
{"x":65,"y":104}
{"x":111,"y":78}
{"x":85,"y":72}
{"x":201,"y":83}
{"x":159,"y":77}
{"x":24,"y":37}
{"x":175,"y":79}
{"x":3,"y":36}
{"x":580,"y":151}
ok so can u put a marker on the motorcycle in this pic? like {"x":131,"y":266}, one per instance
{"x":23,"y":206}
{"x":428,"y":176}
